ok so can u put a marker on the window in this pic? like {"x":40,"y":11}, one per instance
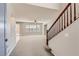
{"x":27,"y":28}
{"x":31,"y":27}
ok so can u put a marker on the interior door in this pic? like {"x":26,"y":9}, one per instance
{"x":2,"y":30}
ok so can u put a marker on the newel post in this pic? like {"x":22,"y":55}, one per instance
{"x":47,"y":37}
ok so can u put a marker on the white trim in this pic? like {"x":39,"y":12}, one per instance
{"x":12,"y":48}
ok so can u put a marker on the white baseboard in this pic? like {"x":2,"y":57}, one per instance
{"x":12,"y":49}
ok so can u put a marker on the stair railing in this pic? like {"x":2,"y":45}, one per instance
{"x":66,"y":18}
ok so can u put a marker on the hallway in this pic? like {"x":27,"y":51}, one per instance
{"x":39,"y":29}
{"x":30,"y":46}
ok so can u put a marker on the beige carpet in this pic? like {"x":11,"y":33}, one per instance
{"x":30,"y":46}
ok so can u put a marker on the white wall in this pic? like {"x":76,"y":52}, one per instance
{"x":17,"y":29}
{"x":66,"y":43}
{"x":63,"y":5}
{"x":17,"y":32}
{"x":10,"y":32}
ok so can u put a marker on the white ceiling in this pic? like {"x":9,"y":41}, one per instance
{"x":47,"y":5}
{"x":31,"y":12}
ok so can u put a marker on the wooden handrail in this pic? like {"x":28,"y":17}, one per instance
{"x":59,"y":16}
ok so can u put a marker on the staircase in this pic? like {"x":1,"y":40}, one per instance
{"x":65,"y":19}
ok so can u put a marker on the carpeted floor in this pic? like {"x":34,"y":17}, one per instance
{"x":31,"y":46}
